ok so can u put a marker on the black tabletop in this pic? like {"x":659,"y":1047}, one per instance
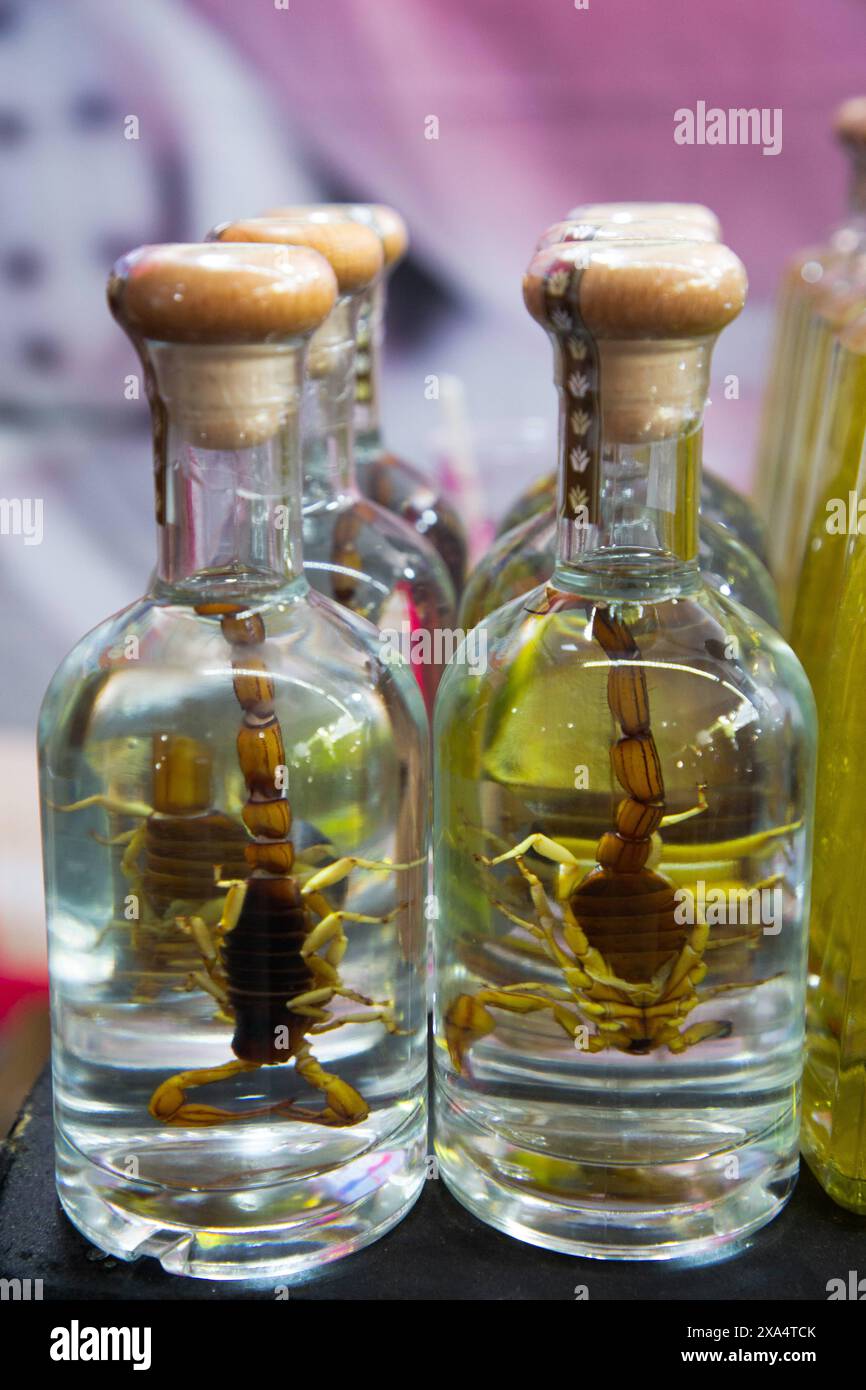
{"x":438,"y":1252}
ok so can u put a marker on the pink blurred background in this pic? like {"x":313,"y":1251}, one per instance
{"x":240,"y":106}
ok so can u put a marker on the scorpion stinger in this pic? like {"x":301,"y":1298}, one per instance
{"x":279,"y":942}
{"x":630,"y":969}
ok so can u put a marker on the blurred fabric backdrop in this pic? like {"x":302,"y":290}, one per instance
{"x":124,"y":122}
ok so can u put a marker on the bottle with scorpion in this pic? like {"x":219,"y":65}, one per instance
{"x":234,"y":788}
{"x":622,"y":824}
{"x":356,"y":551}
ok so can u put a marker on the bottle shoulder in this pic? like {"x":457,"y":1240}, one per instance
{"x":692,"y":642}
{"x":160,"y":661}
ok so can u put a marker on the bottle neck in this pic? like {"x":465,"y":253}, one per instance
{"x":630,"y":434}
{"x":227,"y":470}
{"x":369,"y":339}
{"x":329,"y":408}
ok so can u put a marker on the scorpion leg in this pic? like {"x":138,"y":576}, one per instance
{"x":341,"y":868}
{"x":168,"y":1102}
{"x":345,"y":1105}
{"x":120,"y":808}
{"x":542,"y":844}
{"x":469,"y":1017}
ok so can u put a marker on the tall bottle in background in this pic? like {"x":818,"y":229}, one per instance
{"x":234,"y":793}
{"x":837,"y":457}
{"x":834,"y":1080}
{"x":794,"y":385}
{"x":355,"y":551}
{"x":388,"y":480}
{"x":623,"y":811}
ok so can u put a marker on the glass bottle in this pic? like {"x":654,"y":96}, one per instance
{"x":837,"y":456}
{"x":524,"y":556}
{"x":794,"y":386}
{"x":355,"y":551}
{"x":388,"y":480}
{"x":721,"y":504}
{"x":623,"y":806}
{"x":233,"y":792}
{"x":834,"y":1078}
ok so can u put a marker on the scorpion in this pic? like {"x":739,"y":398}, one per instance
{"x":279,"y":942}
{"x":630,"y":969}
{"x":176,"y":858}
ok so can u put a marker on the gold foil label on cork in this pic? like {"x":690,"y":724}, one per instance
{"x":581,"y":429}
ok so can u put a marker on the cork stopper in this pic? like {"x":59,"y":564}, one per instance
{"x":199,"y":293}
{"x":695,"y":213}
{"x":849,"y":123}
{"x":599,"y":229}
{"x":640,"y":289}
{"x":648,"y":312}
{"x":354,"y":252}
{"x":215,"y":327}
{"x":385,"y":221}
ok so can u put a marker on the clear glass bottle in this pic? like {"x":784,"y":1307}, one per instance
{"x":837,"y":456}
{"x":354,"y":550}
{"x":721,"y":504}
{"x":388,"y":480}
{"x":234,"y":793}
{"x":795,"y":381}
{"x":834,"y":1078}
{"x":623,"y":808}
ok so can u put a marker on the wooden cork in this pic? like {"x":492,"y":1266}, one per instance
{"x":637,"y":319}
{"x":695,"y":213}
{"x":201,"y":293}
{"x":849,"y":122}
{"x":386,"y":222}
{"x":642,"y":290}
{"x":353,"y":251}
{"x":214,"y":326}
{"x":598,"y":229}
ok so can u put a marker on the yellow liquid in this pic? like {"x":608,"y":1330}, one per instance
{"x":834,"y":1081}
{"x":824,"y":562}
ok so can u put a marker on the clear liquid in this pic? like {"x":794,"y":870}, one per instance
{"x":653,"y":1153}
{"x":268,"y":1193}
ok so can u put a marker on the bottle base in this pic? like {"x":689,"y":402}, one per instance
{"x":280,"y":1231}
{"x":693,"y":1212}
{"x":845,"y":1191}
